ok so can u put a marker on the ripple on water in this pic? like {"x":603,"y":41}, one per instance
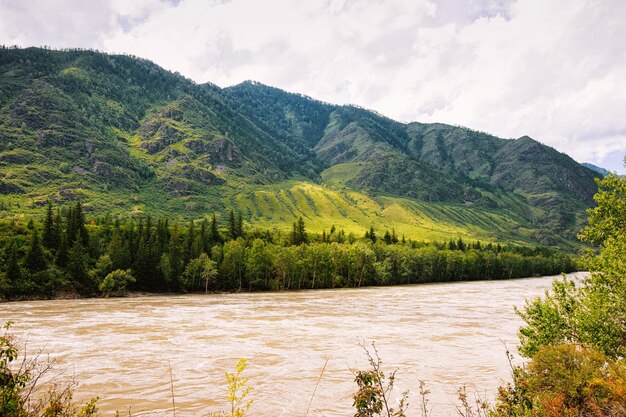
{"x":122,"y":349}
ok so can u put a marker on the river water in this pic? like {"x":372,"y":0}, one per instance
{"x":122,"y":350}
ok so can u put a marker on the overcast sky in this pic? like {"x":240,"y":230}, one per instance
{"x":551,"y":69}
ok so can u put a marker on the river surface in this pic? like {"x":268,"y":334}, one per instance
{"x":122,"y":349}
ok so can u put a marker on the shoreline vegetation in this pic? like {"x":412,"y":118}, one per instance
{"x":62,"y":255}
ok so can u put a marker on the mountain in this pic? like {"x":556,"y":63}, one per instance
{"x":602,"y":171}
{"x":127,"y":137}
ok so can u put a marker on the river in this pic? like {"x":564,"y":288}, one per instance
{"x":122,"y":349}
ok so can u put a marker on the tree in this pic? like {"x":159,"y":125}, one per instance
{"x":76,"y":225}
{"x":62,"y":257}
{"x":258,"y":265}
{"x":298,"y":234}
{"x":371,"y":235}
{"x":14,"y":272}
{"x":50,"y":237}
{"x":189,"y":239}
{"x":200,"y":271}
{"x":239,"y":225}
{"x":35,"y":259}
{"x":77,"y":266}
{"x":214,"y":234}
{"x":233,"y":262}
{"x":592,"y":313}
{"x":116,"y":283}
{"x":232,"y":226}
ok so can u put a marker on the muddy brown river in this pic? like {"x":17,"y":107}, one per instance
{"x":447,"y":335}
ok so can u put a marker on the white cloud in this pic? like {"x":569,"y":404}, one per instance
{"x":555,"y":70}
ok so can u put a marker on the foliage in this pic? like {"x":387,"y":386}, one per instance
{"x":116,"y":283}
{"x":238,"y":391}
{"x":592,"y":313}
{"x":161,"y":256}
{"x":200,"y":272}
{"x":576,"y":335}
{"x":20,"y":384}
{"x":125,"y":136}
{"x":374,"y":388}
{"x":565,"y":380}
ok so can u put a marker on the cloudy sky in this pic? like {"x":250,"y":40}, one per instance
{"x":551,"y":69}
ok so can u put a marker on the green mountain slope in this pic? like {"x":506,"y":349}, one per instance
{"x":126,"y":136}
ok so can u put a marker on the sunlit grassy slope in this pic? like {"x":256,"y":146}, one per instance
{"x":322,"y":207}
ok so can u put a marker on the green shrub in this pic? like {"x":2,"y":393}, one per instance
{"x":116,"y":282}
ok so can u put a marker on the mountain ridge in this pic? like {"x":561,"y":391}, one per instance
{"x":127,"y":136}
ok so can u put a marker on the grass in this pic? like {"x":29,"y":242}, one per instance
{"x":279,"y":205}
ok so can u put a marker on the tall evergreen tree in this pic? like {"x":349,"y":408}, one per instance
{"x":77,"y":266}
{"x":189,"y":239}
{"x":62,"y":256}
{"x":35,"y":259}
{"x":298,"y":233}
{"x":204,"y":238}
{"x":239,"y":225}
{"x":76,"y":228}
{"x":119,"y":252}
{"x":50,"y":233}
{"x":14,"y":272}
{"x":372,"y":234}
{"x":214,"y":234}
{"x":175,"y":259}
{"x":232,"y":226}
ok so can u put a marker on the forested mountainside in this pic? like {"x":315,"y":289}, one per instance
{"x":125,"y":136}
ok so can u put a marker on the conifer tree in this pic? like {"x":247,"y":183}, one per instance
{"x":76,"y":225}
{"x":14,"y":272}
{"x":298,"y":233}
{"x":62,"y":257}
{"x":214,"y":234}
{"x":372,"y":234}
{"x":189,"y":239}
{"x":77,"y":265}
{"x":203,"y":237}
{"x":35,"y":259}
{"x":119,"y":252}
{"x":239,"y":225}
{"x":175,"y":259}
{"x":232,"y":227}
{"x":50,"y":234}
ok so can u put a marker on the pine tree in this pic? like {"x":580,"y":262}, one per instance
{"x":62,"y":257}
{"x":175,"y":257}
{"x":50,"y":233}
{"x":232,"y":227}
{"x":214,"y":235}
{"x":203,"y":236}
{"x":239,"y":225}
{"x":298,"y":234}
{"x":372,"y":234}
{"x":14,"y":272}
{"x":394,"y":236}
{"x":77,"y":266}
{"x":35,"y":259}
{"x":189,"y":239}
{"x":76,"y":225}
{"x":118,"y":251}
